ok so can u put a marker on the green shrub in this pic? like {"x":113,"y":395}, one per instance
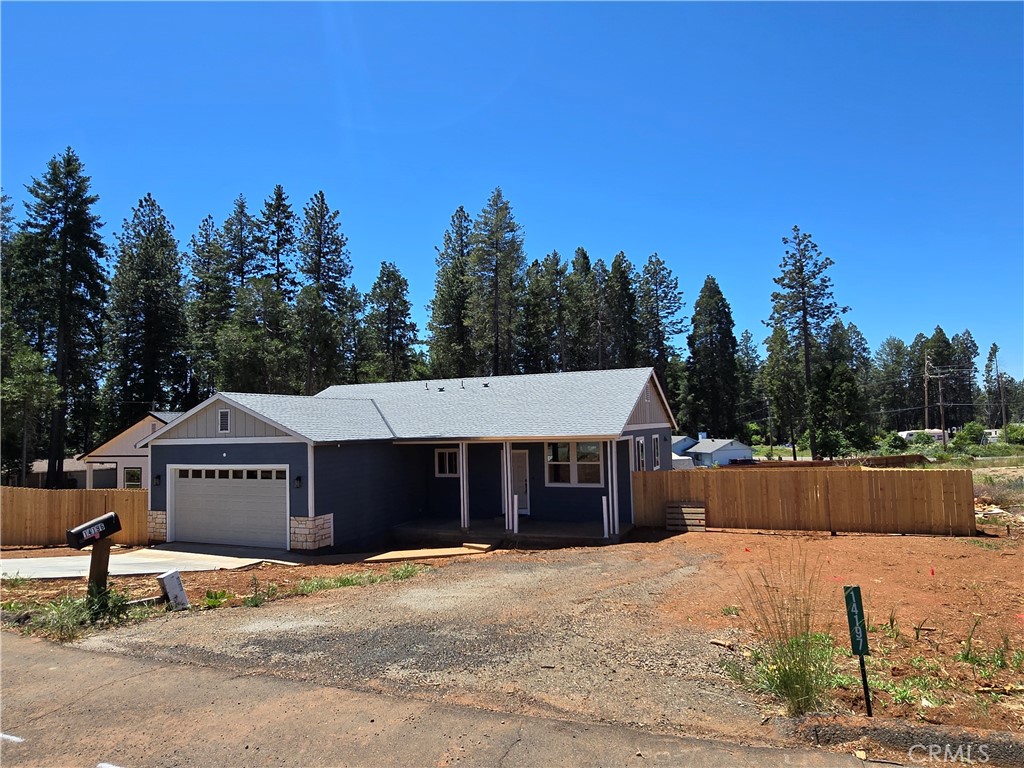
{"x":1014,"y":434}
{"x":891,"y":444}
{"x":215,"y":599}
{"x":971,"y":434}
{"x":260,"y":595}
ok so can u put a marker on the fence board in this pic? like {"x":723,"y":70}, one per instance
{"x":37,"y":517}
{"x":842,"y":499}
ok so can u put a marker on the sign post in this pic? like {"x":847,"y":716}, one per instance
{"x":858,"y":635}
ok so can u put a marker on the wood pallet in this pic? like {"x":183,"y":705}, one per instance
{"x":681,"y":516}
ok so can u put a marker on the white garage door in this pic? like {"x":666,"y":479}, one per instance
{"x":231,"y":505}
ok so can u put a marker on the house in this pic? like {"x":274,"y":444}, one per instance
{"x":909,"y":435}
{"x":681,"y":462}
{"x":342,"y":468}
{"x":711,"y":452}
{"x":76,"y":473}
{"x":130,"y":464}
{"x":680,"y":443}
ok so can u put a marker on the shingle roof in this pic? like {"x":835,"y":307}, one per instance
{"x":576,"y":404}
{"x":711,"y":445}
{"x":166,"y":416}
{"x":318,"y":419}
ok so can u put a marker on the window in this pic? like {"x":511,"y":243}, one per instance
{"x":656,"y":451}
{"x":280,"y":475}
{"x":224,"y":420}
{"x":133,"y":477}
{"x":446,"y":462}
{"x":573,"y":463}
{"x":266,"y":474}
{"x":250,"y":474}
{"x":641,"y":461}
{"x":182,"y":473}
{"x":222,"y":474}
{"x":211,"y":474}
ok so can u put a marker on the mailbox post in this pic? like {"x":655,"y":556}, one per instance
{"x":858,"y":635}
{"x":96,"y":532}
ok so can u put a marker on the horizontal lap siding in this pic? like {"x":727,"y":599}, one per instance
{"x":837,"y":499}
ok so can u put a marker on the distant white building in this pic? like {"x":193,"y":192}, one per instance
{"x":910,"y":434}
{"x":711,"y":452}
{"x":681,"y":462}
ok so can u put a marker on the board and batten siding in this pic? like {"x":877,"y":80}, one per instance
{"x":204,"y":424}
{"x":649,"y":409}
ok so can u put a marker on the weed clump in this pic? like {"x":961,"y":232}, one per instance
{"x":794,"y":659}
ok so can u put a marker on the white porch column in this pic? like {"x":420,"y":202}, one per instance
{"x":506,"y":485}
{"x":88,"y":475}
{"x":464,"y":484}
{"x":613,"y":467}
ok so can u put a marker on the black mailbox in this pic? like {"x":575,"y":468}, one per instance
{"x":93,"y":531}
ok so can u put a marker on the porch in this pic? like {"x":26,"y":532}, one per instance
{"x":531,"y":533}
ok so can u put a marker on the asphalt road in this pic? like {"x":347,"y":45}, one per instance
{"x":69,"y":707}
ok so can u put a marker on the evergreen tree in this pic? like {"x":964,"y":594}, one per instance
{"x":939,"y":355}
{"x":622,"y":327}
{"x":277,"y":240}
{"x":146,"y":326}
{"x":804,"y":306}
{"x":995,"y":390}
{"x":61,"y":256}
{"x":711,"y":372}
{"x":389,"y":331}
{"x":450,"y":346}
{"x":783,"y":383}
{"x":752,"y":402}
{"x":963,"y":389}
{"x":328,"y":306}
{"x":255,"y":351}
{"x":241,"y":242}
{"x":659,"y":308}
{"x":841,"y":404}
{"x":603,"y":323}
{"x":544,"y":343}
{"x":891,"y":386}
{"x":496,"y":267}
{"x":209,"y":306}
{"x":916,"y":354}
{"x":582,"y":315}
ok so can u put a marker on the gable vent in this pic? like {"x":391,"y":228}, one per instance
{"x":224,"y":420}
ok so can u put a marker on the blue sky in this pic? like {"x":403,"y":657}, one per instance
{"x":892,"y":132}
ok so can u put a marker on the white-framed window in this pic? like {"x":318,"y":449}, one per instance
{"x":446,"y":462}
{"x":133,"y":477}
{"x":574,"y":464}
{"x":223,"y":420}
{"x":656,"y":450}
{"x":641,"y":461}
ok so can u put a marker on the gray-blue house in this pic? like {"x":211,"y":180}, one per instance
{"x":343,"y":468}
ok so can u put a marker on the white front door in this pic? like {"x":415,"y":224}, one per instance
{"x":521,"y":480}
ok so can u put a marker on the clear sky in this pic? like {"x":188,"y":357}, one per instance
{"x":704,"y":131}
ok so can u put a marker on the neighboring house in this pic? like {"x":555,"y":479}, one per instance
{"x":709,"y":453}
{"x":681,"y":443}
{"x":343,"y":467}
{"x":131,"y":464}
{"x":993,"y":436}
{"x":75,"y":474}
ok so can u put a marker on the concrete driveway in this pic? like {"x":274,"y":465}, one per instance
{"x":144,"y":561}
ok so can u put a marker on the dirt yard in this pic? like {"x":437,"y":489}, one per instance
{"x":645,"y":633}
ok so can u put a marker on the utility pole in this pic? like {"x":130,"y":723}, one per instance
{"x":926,"y":390}
{"x":942,"y":413}
{"x":766,"y":405}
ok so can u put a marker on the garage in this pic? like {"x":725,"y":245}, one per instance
{"x":241,"y":506}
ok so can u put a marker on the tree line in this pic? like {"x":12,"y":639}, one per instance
{"x":96,"y":336}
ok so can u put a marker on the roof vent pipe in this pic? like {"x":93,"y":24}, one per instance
{"x":487,"y":384}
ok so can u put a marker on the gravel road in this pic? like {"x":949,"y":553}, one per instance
{"x":575,"y":634}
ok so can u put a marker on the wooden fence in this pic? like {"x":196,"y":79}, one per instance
{"x":31,"y":516}
{"x":846,"y":499}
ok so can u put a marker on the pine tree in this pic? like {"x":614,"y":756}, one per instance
{"x":581,"y":315}
{"x":841,"y":404}
{"x":939,"y":355}
{"x":210,"y":301}
{"x":255,"y":351}
{"x":145,"y":332}
{"x":659,"y":308}
{"x":389,"y":332}
{"x":496,"y":267}
{"x":622,"y":327}
{"x":327,"y":307}
{"x":277,"y":241}
{"x":891,"y":386}
{"x":450,"y":347}
{"x":963,"y":379}
{"x":784,"y":385}
{"x":995,"y":390}
{"x":62,"y":259}
{"x":748,"y":376}
{"x":804,"y":306}
{"x":711,"y":372}
{"x":241,"y":241}
{"x":544,"y":342}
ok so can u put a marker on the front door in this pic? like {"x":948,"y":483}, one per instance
{"x":521,"y":480}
